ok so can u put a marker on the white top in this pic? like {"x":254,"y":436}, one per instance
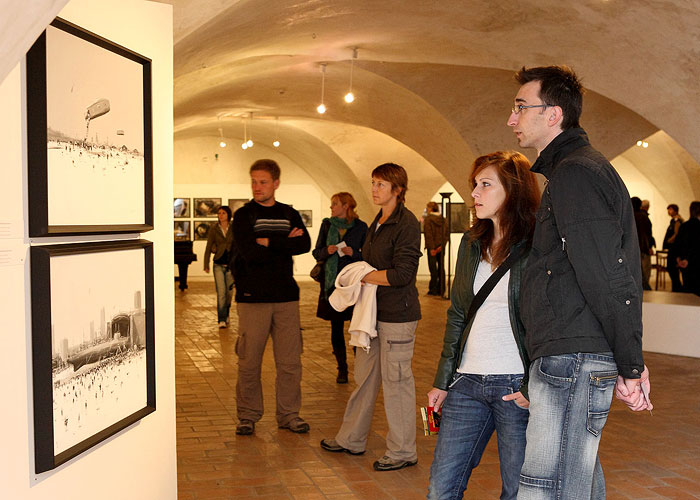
{"x":491,"y":347}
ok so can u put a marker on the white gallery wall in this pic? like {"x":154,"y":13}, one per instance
{"x":139,"y":462}
{"x":198,"y":173}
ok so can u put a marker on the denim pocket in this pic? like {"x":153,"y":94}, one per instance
{"x":557,"y":371}
{"x":600,"y":392}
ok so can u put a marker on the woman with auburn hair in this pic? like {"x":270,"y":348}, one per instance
{"x":339,"y":243}
{"x":392,"y":247}
{"x":481,"y":378}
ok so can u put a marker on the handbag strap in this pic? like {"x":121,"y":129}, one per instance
{"x":490,"y":284}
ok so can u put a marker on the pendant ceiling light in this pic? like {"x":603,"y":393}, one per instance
{"x":250,"y":139}
{"x":350,"y":97}
{"x":222,"y":143}
{"x":276,"y":143}
{"x":322,"y":107}
{"x":245,"y":135}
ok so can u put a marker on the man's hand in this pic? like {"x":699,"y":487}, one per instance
{"x":332,"y":249}
{"x":682,"y":263}
{"x":629,"y":391}
{"x":206,"y":270}
{"x":519,"y":399}
{"x":297,"y":231}
{"x":436,"y":397}
{"x":347,"y":251}
{"x":263,"y":241}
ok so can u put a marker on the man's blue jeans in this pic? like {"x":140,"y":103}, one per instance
{"x":223,"y":279}
{"x":471,"y":412}
{"x":570,"y":396}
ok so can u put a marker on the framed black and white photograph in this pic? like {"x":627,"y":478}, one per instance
{"x":93,"y":347}
{"x":236,"y":203}
{"x":459,"y":221}
{"x":308,"y":217}
{"x":206,"y":207}
{"x":181,"y":208}
{"x":181,"y":230}
{"x":202,"y":228}
{"x":89,"y":135}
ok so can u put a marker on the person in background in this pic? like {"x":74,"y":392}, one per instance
{"x":669,"y":244}
{"x":267,"y":235}
{"x":688,"y":250}
{"x":392,"y":247}
{"x":436,"y":235}
{"x":481,"y":379}
{"x":581,"y":300}
{"x":343,"y":226}
{"x":645,"y":238}
{"x":220,"y":242}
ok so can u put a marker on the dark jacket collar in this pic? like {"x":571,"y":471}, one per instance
{"x":393,"y":218}
{"x":561,"y":146}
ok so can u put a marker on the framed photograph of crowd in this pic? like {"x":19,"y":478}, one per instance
{"x":93,"y":345}
{"x":89,"y":135}
{"x":206,"y":207}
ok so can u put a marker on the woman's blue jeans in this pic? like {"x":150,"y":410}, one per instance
{"x":223,"y":279}
{"x":471,"y":412}
{"x":570,"y":396}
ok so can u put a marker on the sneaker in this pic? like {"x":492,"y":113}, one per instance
{"x":386,"y":463}
{"x":297,"y":425}
{"x":222,"y":324}
{"x":245,"y":428}
{"x":333,"y":446}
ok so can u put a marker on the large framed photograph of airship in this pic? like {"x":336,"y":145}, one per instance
{"x":89,"y":135}
{"x":93,"y":344}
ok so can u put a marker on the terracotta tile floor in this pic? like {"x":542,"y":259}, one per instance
{"x":645,"y":457}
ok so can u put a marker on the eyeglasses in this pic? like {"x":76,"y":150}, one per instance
{"x":516,"y":109}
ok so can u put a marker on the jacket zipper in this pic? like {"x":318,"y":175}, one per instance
{"x":563,"y":244}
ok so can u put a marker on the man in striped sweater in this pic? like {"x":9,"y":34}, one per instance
{"x":267,"y":235}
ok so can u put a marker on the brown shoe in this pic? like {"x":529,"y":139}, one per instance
{"x":333,"y":446}
{"x":386,"y":463}
{"x":297,"y":425}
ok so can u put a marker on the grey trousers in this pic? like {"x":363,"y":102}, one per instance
{"x":388,"y":363}
{"x":256,"y":322}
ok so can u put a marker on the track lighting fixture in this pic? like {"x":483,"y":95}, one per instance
{"x":350,"y":97}
{"x":322,"y":107}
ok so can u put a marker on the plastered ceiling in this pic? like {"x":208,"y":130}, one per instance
{"x":433,"y":80}
{"x":436,"y":79}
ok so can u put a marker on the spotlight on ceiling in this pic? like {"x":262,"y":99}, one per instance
{"x":276,"y":142}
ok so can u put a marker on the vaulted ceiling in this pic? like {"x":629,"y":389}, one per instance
{"x":433,"y":80}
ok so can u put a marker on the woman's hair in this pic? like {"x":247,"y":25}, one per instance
{"x":228,"y":212}
{"x":516,"y":216}
{"x":396,"y":175}
{"x":346,"y":198}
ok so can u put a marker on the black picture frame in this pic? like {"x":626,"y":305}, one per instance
{"x":181,"y":208}
{"x":307,"y":217}
{"x":90,"y":385}
{"x":459,"y":217}
{"x":206,"y":207}
{"x":77,"y":183}
{"x":181,"y":230}
{"x":201,"y":228}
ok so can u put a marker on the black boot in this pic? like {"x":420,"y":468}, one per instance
{"x":342,"y":377}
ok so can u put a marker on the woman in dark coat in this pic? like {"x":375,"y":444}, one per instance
{"x":343,"y":226}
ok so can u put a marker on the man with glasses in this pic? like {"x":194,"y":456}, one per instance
{"x":582,"y":293}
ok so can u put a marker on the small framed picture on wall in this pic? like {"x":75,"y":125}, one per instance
{"x":202,"y":228}
{"x":206,"y":207}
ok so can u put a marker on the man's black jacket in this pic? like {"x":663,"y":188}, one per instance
{"x":582,"y":288}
